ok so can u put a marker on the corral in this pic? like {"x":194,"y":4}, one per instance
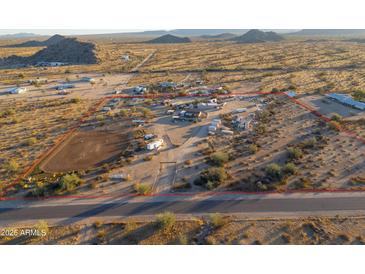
{"x":87,"y":149}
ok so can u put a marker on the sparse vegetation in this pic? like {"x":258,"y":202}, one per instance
{"x":165,"y":220}
{"x":142,"y":189}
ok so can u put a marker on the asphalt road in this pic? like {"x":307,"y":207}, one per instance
{"x":268,"y":206}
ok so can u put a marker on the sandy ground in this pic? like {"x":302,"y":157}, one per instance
{"x":104,"y":87}
{"x":220,"y":230}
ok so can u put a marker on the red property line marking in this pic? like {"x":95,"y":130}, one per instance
{"x":58,"y":142}
{"x":348,"y":132}
{"x":93,"y":109}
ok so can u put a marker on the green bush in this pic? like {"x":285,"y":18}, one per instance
{"x":219,"y":158}
{"x":359,"y":95}
{"x":142,"y":189}
{"x":334,"y":125}
{"x":253,"y":148}
{"x":336,"y":117}
{"x":217,"y":220}
{"x":31,"y":141}
{"x":11,"y":166}
{"x":165,"y":220}
{"x":70,"y":182}
{"x":290,"y":168}
{"x":213,"y":177}
{"x":295,"y":153}
{"x":274,"y":171}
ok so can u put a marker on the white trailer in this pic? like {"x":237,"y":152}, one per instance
{"x":155,"y":145}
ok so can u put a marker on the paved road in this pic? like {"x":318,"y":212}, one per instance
{"x":269,"y":206}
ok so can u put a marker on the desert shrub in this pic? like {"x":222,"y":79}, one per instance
{"x":253,"y":148}
{"x":7,"y":113}
{"x":188,"y":162}
{"x":217,"y":220}
{"x":30,"y":141}
{"x":336,"y":117}
{"x":183,"y":239}
{"x":295,"y":153}
{"x":42,"y":226}
{"x":75,"y":100}
{"x":310,"y":143}
{"x":11,"y":166}
{"x":124,"y":112}
{"x":142,"y":189}
{"x":213,"y":177}
{"x":219,"y":158}
{"x":261,"y":129}
{"x":148,"y":158}
{"x":273,"y":170}
{"x":303,"y":183}
{"x":182,"y":185}
{"x":165,"y":220}
{"x":146,"y":113}
{"x":290,"y":168}
{"x":359,"y":95}
{"x":70,"y":182}
{"x":334,"y":125}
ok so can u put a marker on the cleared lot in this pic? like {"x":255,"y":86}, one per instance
{"x":87,"y":149}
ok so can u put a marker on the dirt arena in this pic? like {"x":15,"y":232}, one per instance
{"x":87,"y":149}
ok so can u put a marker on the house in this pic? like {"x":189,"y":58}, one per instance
{"x":242,"y":123}
{"x":155,"y":145}
{"x":193,"y":114}
{"x":17,"y":90}
{"x":346,"y":100}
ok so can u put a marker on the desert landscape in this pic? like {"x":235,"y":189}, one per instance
{"x":124,"y":116}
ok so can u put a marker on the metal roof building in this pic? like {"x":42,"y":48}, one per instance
{"x":346,"y":100}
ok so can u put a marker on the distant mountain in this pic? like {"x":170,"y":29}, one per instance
{"x":169,"y":39}
{"x":200,"y":32}
{"x":221,"y":36}
{"x":18,"y":35}
{"x":67,"y":50}
{"x":257,"y":36}
{"x":329,"y":32}
{"x":51,"y":41}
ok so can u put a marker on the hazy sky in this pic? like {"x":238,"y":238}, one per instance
{"x":65,"y":31}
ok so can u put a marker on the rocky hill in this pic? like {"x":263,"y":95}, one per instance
{"x":221,"y":36}
{"x":257,"y":36}
{"x":169,"y":39}
{"x":52,"y":40}
{"x":67,"y":50}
